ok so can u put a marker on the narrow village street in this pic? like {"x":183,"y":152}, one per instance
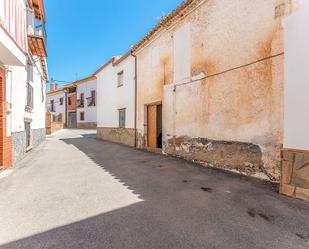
{"x":74,"y":191}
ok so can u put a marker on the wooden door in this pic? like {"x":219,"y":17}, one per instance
{"x":152,"y":126}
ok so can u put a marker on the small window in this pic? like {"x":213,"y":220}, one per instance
{"x":29,"y":69}
{"x":61,"y":101}
{"x":69,"y":101}
{"x":120,"y":79}
{"x":52,"y":107}
{"x":122,"y":118}
{"x":93,"y":101}
{"x":82,"y":116}
{"x":81,"y":101}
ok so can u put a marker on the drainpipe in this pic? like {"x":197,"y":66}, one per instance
{"x":135,"y":101}
{"x":66,"y":108}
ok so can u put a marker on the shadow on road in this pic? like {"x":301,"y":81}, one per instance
{"x":185,"y":206}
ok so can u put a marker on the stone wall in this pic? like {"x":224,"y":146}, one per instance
{"x":51,"y":126}
{"x":89,"y":125}
{"x":54,"y":127}
{"x":295,"y":174}
{"x":19,"y":146}
{"x":118,"y":135}
{"x":243,"y":157}
{"x":19,"y":142}
{"x":37,"y":136}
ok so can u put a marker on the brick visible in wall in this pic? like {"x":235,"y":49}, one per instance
{"x":38,"y":136}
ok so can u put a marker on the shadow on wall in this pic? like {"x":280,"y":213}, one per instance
{"x":185,"y":206}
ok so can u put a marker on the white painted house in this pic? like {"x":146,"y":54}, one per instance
{"x":86,"y":94}
{"x":295,"y":154}
{"x":56,"y":103}
{"x":116,"y":100}
{"x":297,"y":75}
{"x":23,"y":74}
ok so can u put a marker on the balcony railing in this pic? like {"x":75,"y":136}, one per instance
{"x":37,"y":36}
{"x":51,"y":108}
{"x":37,"y":43}
{"x":91,"y":101}
{"x":80,"y":103}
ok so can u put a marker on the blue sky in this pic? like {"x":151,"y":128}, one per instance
{"x":82,"y":35}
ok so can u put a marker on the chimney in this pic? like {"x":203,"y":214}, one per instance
{"x":52,"y":87}
{"x":56,"y":87}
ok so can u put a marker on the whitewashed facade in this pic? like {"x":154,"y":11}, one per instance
{"x":56,"y":103}
{"x":296,"y":79}
{"x":23,"y":74}
{"x":86,"y":92}
{"x":295,"y":153}
{"x":116,"y":100}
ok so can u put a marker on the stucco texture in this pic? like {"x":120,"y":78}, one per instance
{"x":237,"y":49}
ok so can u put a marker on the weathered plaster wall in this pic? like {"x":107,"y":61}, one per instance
{"x":238,"y":46}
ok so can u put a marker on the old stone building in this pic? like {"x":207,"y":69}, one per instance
{"x":210,"y":80}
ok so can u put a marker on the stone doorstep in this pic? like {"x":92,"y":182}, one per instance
{"x":154,"y":150}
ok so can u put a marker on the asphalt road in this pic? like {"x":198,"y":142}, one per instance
{"x":75,"y":192}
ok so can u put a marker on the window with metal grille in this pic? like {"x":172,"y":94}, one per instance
{"x":52,"y":106}
{"x":29,"y":69}
{"x":61,"y":101}
{"x":120,"y":78}
{"x":81,"y":100}
{"x":82,"y":116}
{"x":29,"y":96}
{"x":122,"y":118}
{"x":92,"y":99}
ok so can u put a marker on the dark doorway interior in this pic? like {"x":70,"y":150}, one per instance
{"x":159,"y":126}
{"x":154,"y":126}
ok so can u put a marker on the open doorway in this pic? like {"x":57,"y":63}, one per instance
{"x":154,"y":126}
